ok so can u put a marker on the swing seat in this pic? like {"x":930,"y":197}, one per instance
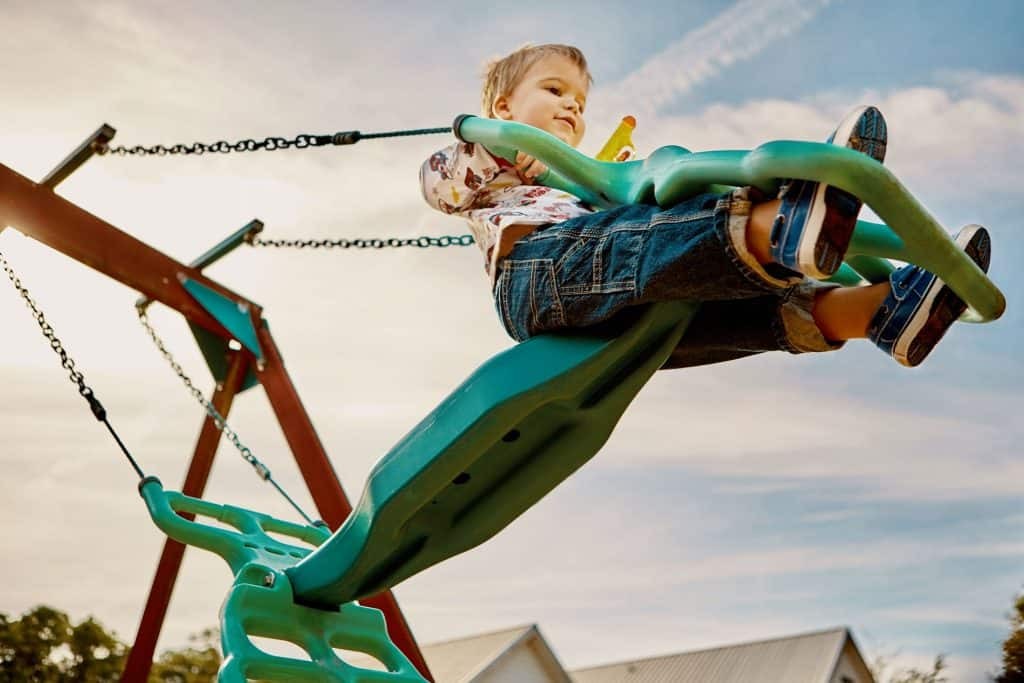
{"x":519,"y":426}
{"x":531,"y":416}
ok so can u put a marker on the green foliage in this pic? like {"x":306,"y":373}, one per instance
{"x":43,"y":646}
{"x":1013,"y":648}
{"x":197,"y":663}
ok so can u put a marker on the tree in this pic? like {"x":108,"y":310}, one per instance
{"x":43,"y":646}
{"x":1013,"y":648}
{"x":195,"y":664}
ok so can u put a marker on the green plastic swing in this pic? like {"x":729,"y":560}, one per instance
{"x":521,"y":423}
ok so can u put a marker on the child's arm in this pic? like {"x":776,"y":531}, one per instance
{"x":452,"y":179}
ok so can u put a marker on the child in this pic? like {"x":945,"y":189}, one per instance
{"x":556,"y":263}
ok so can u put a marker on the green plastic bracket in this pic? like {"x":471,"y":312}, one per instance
{"x":672,"y":173}
{"x":261,"y":604}
{"x":228,"y":313}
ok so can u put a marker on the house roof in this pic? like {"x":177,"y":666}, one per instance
{"x":463,"y":659}
{"x":460,"y":659}
{"x":804,"y":658}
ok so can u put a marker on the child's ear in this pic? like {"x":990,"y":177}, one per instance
{"x":500,"y":109}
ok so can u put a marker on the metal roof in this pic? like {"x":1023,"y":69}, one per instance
{"x":454,"y":661}
{"x":459,"y":660}
{"x":806,"y":658}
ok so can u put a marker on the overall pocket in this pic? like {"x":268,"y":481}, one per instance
{"x":603,"y":262}
{"x":527,"y":299}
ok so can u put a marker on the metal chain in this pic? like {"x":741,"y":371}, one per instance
{"x":269,"y":144}
{"x":262,"y":470}
{"x":97,"y":408}
{"x":66,"y":361}
{"x":76,"y":377}
{"x":374,"y":243}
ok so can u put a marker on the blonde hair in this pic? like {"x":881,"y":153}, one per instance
{"x":503,"y":74}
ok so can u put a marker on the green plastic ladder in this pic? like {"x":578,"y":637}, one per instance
{"x":261,"y":603}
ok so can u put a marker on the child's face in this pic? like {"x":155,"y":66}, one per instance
{"x":551,"y":96}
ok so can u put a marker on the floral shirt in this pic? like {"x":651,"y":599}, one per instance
{"x":466,"y":180}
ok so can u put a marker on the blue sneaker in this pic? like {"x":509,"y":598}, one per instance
{"x":920,"y":308}
{"x":815,"y":221}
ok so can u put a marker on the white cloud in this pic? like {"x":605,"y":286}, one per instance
{"x":739,"y":33}
{"x":963,"y":133}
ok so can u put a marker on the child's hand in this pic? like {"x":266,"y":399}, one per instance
{"x":528,"y":168}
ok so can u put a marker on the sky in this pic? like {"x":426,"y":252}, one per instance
{"x":740,"y":501}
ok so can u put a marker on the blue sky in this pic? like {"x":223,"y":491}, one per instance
{"x":740,"y":501}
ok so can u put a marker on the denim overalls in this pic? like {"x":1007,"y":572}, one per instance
{"x":588,"y":270}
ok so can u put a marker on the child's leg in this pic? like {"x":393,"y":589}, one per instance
{"x":905,"y":316}
{"x":759,"y":230}
{"x":843,"y":313}
{"x":583,"y":271}
{"x":727,"y":330}
{"x":814,"y":222}
{"x":919,"y":308}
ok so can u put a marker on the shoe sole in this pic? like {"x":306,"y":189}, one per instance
{"x":864,"y":131}
{"x":943,"y":306}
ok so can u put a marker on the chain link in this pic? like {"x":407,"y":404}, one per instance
{"x":218,"y":420}
{"x":76,"y":377}
{"x":269,"y":144}
{"x":212,"y":411}
{"x":65,"y":360}
{"x":373,"y":243}
{"x":79,"y":379}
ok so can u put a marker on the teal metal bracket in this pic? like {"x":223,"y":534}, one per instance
{"x":213,"y":347}
{"x":260,"y":603}
{"x":236,"y":318}
{"x":215,"y":352}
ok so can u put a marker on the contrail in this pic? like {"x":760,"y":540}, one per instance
{"x":737,"y":34}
